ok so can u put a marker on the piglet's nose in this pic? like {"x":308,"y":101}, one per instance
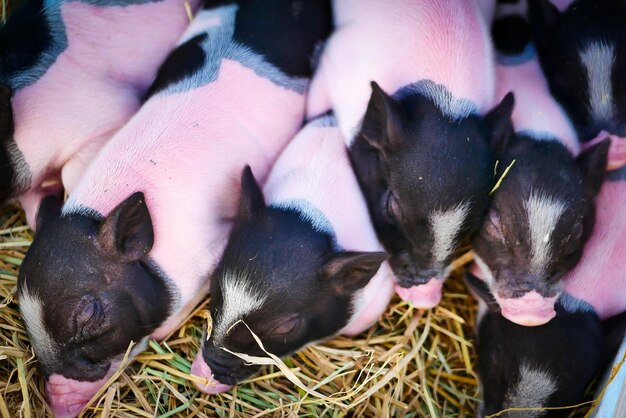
{"x":532,"y":309}
{"x":68,"y":397}
{"x":423,"y":296}
{"x":200,"y":368}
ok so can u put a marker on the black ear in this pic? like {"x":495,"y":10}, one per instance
{"x":127,"y":232}
{"x":49,"y":208}
{"x":382,"y":126}
{"x":543,"y":17}
{"x":500,"y":124}
{"x":481,"y":289}
{"x":348,"y":272}
{"x":592,"y":163}
{"x":251,"y":200}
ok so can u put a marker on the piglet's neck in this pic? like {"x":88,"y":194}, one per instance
{"x":315,"y":169}
{"x":536,"y":113}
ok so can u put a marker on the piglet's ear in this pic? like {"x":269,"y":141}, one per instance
{"x":251,"y":200}
{"x":499,"y":121}
{"x":543,"y":17}
{"x":127,"y":232}
{"x":382,"y":126}
{"x":481,"y":290}
{"x":592,"y":163}
{"x":348,"y":272}
{"x":50,"y":208}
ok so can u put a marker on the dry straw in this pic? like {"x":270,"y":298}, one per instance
{"x":412,"y":363}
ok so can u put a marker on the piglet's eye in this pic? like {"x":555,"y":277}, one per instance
{"x":391,"y":207}
{"x":287,"y":325}
{"x":89,"y":318}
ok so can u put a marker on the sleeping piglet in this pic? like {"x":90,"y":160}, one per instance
{"x":543,"y":211}
{"x":545,"y":366}
{"x":302,"y":262}
{"x":420,"y":137}
{"x":130,"y":253}
{"x":78,"y":71}
{"x":582,"y":49}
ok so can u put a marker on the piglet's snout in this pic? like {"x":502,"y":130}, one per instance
{"x":200,"y":368}
{"x":68,"y":397}
{"x":424,"y":296}
{"x":530,"y":310}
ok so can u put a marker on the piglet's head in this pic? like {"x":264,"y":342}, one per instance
{"x":535,"y":367}
{"x":539,"y":220}
{"x":85,"y":292}
{"x":582,"y":54}
{"x":426,"y":176}
{"x":284,"y":279}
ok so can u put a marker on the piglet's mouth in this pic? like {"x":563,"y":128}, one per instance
{"x":200,"y":368}
{"x":68,"y":397}
{"x":423,"y":296}
{"x":530,"y":310}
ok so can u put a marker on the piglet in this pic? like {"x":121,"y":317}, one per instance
{"x":131,"y":251}
{"x":78,"y":71}
{"x":302,"y":263}
{"x":540,"y":367}
{"x":582,"y":48}
{"x":543,"y":211}
{"x":420,"y":137}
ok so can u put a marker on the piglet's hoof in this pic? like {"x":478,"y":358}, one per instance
{"x":200,"y":368}
{"x":423,"y":296}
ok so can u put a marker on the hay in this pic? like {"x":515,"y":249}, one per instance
{"x":413,"y":363}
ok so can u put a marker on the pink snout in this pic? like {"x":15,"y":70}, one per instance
{"x":423,"y":296}
{"x":530,"y":310}
{"x":68,"y":397}
{"x":200,"y":368}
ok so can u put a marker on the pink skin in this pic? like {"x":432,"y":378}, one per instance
{"x":401,"y":42}
{"x":67,"y":397}
{"x":599,"y":278}
{"x":617,"y":150}
{"x":530,"y":310}
{"x":92,"y":80}
{"x":535,"y":108}
{"x":424,"y":296}
{"x":200,"y":368}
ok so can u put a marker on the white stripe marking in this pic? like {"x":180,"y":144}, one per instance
{"x":31,"y":308}
{"x":598,"y":59}
{"x":446,"y":226}
{"x":532,"y":390}
{"x":239,"y":298}
{"x":543,"y":214}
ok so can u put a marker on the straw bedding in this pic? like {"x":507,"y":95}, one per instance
{"x":412,"y":363}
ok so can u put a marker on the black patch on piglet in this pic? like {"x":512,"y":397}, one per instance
{"x":98,"y":287}
{"x":183,"y":62}
{"x":281,"y":30}
{"x":303,"y":284}
{"x":7,"y":172}
{"x":510,"y":34}
{"x":24,"y":38}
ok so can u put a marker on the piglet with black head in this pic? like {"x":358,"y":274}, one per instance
{"x":300,"y":268}
{"x":543,"y":211}
{"x":419,"y":137}
{"x":539,"y":367}
{"x":582,"y":49}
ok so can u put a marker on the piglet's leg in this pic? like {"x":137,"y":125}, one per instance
{"x":318,"y":100}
